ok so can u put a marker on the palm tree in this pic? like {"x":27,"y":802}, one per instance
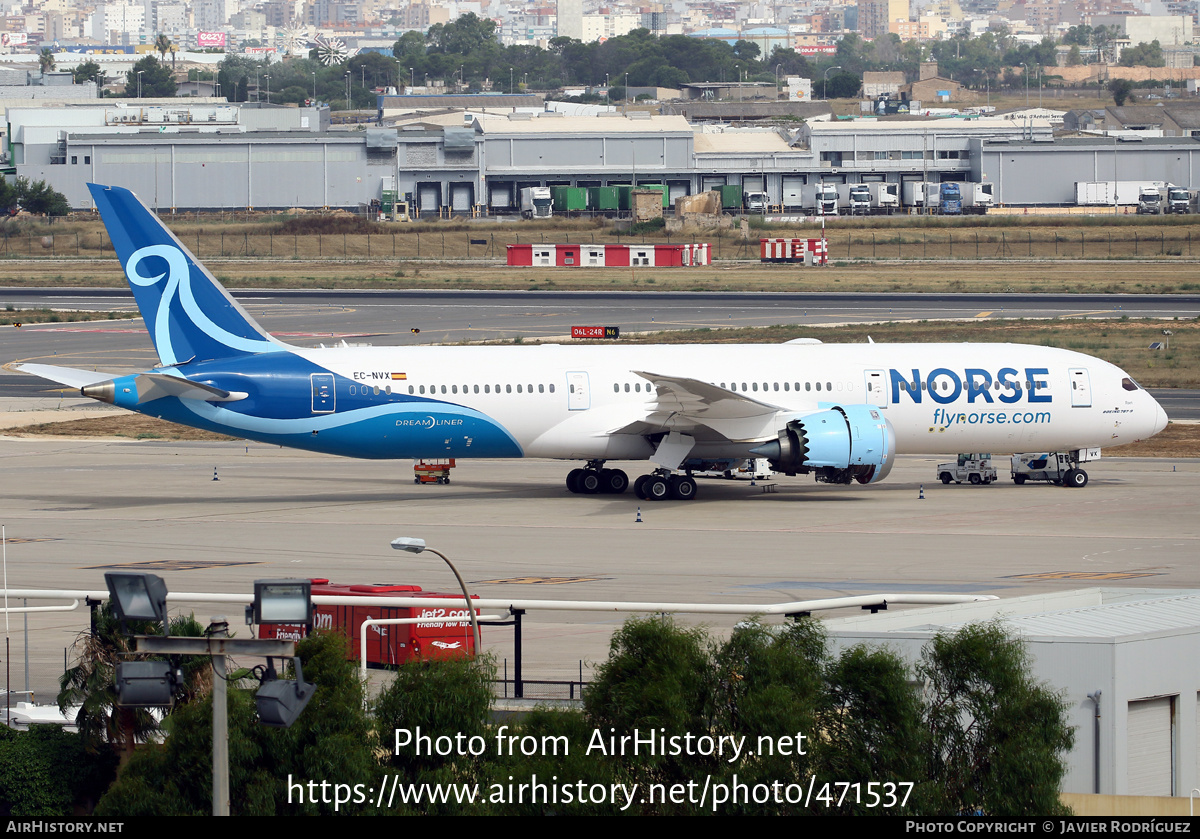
{"x":91,"y":683}
{"x":46,"y":60}
{"x":163,"y":45}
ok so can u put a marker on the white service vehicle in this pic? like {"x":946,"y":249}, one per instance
{"x":1059,"y":468}
{"x":756,"y":202}
{"x":974,"y":468}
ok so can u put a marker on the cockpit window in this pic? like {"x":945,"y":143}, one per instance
{"x":1129,"y":384}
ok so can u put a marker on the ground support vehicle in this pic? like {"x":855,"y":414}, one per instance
{"x":432,"y":471}
{"x":1058,"y":468}
{"x":974,"y":468}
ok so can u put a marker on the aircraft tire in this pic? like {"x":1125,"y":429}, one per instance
{"x":589,"y":482}
{"x":1076,"y":478}
{"x":656,"y":488}
{"x":945,"y":477}
{"x":683,"y":488}
{"x":639,"y":487}
{"x":573,"y":480}
{"x":613,"y":481}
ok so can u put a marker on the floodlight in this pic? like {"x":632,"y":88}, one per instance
{"x":280,"y":701}
{"x":409,"y":543}
{"x":144,"y":684}
{"x":283,"y":601}
{"x":137,"y":597}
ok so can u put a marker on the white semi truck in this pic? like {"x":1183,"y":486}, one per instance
{"x":536,"y":202}
{"x":854,"y":199}
{"x":822,"y":199}
{"x":1112,"y":193}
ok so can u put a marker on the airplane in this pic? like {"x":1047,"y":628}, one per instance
{"x":841,"y":412}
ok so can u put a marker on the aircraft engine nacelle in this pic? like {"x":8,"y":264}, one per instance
{"x":843,"y":444}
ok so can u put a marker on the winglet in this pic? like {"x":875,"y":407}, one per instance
{"x":188,"y":313}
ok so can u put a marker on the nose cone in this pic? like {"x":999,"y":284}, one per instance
{"x":1160,"y":418}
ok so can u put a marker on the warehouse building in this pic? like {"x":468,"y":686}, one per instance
{"x":1114,"y":654}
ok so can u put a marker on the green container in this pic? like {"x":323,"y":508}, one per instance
{"x":731,"y":197}
{"x":569,"y":199}
{"x":624,"y":199}
{"x":603,"y":198}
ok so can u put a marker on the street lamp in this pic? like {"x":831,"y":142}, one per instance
{"x":825,"y":80}
{"x":347,"y":76}
{"x":314,"y":75}
{"x":267,"y":76}
{"x":140,"y":83}
{"x":416,"y":546}
{"x":1025,"y":73}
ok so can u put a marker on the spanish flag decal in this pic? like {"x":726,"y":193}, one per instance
{"x":399,"y":377}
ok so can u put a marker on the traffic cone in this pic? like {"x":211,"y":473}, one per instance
{"x":215,"y":478}
{"x":921,"y":496}
{"x":638,"y":520}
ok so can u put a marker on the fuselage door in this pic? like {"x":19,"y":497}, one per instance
{"x":323,"y":400}
{"x":578,"y":397}
{"x":877,"y":391}
{"x":1081,"y":388}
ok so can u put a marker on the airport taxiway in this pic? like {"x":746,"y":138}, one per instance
{"x":74,"y":508}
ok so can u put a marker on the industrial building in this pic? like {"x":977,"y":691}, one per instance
{"x":238,"y":156}
{"x":1113,"y":654}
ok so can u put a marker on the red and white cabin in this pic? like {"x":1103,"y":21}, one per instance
{"x":808,"y":251}
{"x":618,"y":256}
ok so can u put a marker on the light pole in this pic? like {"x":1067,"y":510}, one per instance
{"x":314,"y":75}
{"x":510,"y":81}
{"x":987,"y":78}
{"x":825,"y":81}
{"x":1025,"y":73}
{"x":347,"y":90}
{"x":416,"y":546}
{"x":257,"y":87}
{"x":267,"y":76}
{"x":140,"y":83}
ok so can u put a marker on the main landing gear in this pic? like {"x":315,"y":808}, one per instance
{"x":595,"y":479}
{"x":661,"y":485}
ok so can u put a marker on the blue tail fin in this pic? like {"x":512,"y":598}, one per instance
{"x":189,"y":315}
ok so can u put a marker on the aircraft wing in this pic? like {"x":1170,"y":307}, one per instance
{"x":702,"y":410}
{"x":68,"y":376}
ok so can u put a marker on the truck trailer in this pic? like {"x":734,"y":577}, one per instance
{"x":885,"y":198}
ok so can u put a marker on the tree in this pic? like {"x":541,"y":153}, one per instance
{"x":39,"y":198}
{"x":1143,"y":55}
{"x":157,"y":79}
{"x":1121,"y":89}
{"x":332,"y":739}
{"x":90,"y":684}
{"x":997,"y":738}
{"x":441,"y":698}
{"x":46,"y":60}
{"x":86,"y":72}
{"x":162,"y":45}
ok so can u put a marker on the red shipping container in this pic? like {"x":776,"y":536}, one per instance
{"x":394,"y":644}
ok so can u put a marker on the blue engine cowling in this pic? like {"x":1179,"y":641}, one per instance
{"x":843,"y":444}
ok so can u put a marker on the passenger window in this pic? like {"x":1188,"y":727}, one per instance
{"x":508,"y":388}
{"x":616,"y":389}
{"x":518,"y":388}
{"x":487,"y":388}
{"x":755,"y":384}
{"x":443,"y":388}
{"x":552,"y":388}
{"x":422,"y":390}
{"x":477,"y":388}
{"x":808,"y":386}
{"x":412,"y":389}
{"x":541,"y":388}
{"x":627,"y":387}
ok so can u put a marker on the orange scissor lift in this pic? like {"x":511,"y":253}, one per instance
{"x":432,"y":471}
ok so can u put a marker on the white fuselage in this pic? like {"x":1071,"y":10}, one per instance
{"x":573,"y":402}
